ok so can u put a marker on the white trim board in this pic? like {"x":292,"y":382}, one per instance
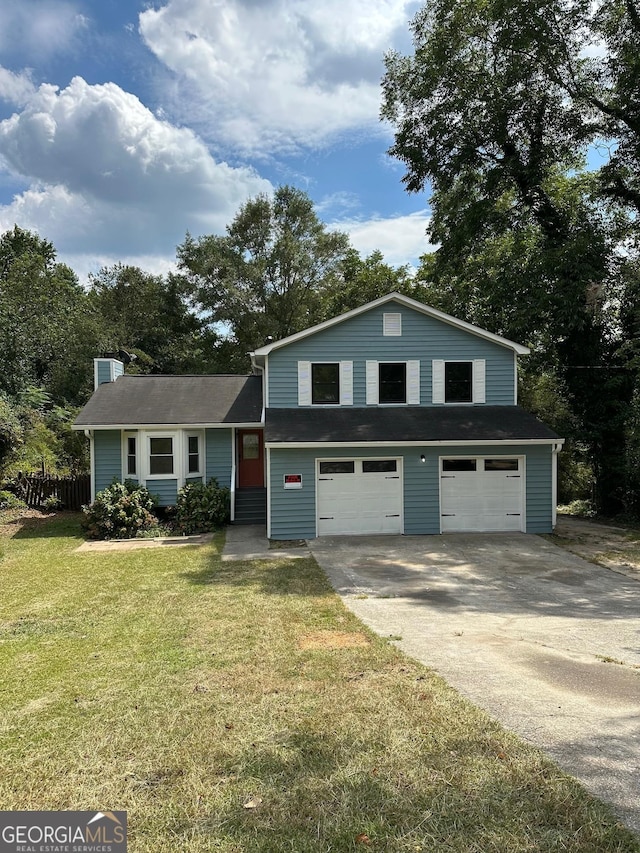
{"x":318,"y":445}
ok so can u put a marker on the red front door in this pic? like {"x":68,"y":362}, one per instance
{"x":250,"y":458}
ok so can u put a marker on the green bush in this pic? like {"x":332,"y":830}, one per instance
{"x":121,"y":511}
{"x":9,"y":501}
{"x":201,"y":508}
{"x":52,"y":503}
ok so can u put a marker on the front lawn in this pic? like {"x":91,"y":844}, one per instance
{"x":239,"y":707}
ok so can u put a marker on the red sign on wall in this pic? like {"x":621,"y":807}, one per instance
{"x":293,"y":481}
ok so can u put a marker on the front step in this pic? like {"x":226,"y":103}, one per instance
{"x":251,"y":506}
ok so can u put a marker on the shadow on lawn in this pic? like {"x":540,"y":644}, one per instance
{"x":277,"y":577}
{"x":54,"y":525}
{"x":311,"y":796}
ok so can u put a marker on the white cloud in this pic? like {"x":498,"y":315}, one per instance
{"x":15,"y":88}
{"x":35,"y":29}
{"x":276,"y":74}
{"x":106,"y":175}
{"x":401,"y":239}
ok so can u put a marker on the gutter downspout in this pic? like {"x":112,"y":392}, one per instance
{"x":92,"y":463}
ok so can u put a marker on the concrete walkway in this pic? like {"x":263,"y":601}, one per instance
{"x":249,"y":542}
{"x":546,"y":642}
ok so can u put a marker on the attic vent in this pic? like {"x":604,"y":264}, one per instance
{"x":392,"y":325}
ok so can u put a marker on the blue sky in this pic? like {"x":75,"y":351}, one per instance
{"x":124,"y":124}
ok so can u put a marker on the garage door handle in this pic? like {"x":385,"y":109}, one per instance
{"x":448,"y":515}
{"x":513,"y":513}
{"x":513,"y":476}
{"x":326,"y":518}
{"x":392,"y":478}
{"x":397,"y":515}
{"x":448,"y":476}
{"x":325,"y":479}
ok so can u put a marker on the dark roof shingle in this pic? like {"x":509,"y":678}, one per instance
{"x":433,"y":423}
{"x":141,"y":400}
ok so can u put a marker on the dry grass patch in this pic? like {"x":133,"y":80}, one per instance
{"x":238,"y":707}
{"x":333,"y":640}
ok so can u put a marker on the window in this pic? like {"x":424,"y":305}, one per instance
{"x":250,"y":445}
{"x":458,"y":382}
{"x":392,"y":382}
{"x":161,"y":455}
{"x":379,"y":466}
{"x":337,"y":467}
{"x":193,"y":454}
{"x":500,"y":464}
{"x":458,"y":464}
{"x":131,"y":455}
{"x":325,"y":384}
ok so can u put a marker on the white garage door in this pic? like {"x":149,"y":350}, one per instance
{"x":359,"y":496}
{"x":482,"y":494}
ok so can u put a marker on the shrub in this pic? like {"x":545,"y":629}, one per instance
{"x":9,"y":501}
{"x":121,"y":511}
{"x":52,"y":503}
{"x":201,"y":508}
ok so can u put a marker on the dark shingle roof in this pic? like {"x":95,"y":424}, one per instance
{"x":434,"y":423}
{"x":144,"y":400}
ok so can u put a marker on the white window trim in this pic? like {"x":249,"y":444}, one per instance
{"x":478,"y":380}
{"x":305,"y":383}
{"x":412,"y":382}
{"x":180,"y":438}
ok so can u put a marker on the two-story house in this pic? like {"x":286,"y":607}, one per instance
{"x":391,"y":418}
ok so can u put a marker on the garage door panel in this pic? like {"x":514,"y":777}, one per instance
{"x":366,"y":499}
{"x":487,"y":496}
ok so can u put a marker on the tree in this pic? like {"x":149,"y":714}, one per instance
{"x":495,"y":111}
{"x":267,"y":277}
{"x":42,"y":315}
{"x":364,"y":279}
{"x":147,"y":315}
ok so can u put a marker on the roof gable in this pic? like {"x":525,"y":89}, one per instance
{"x":405,"y":301}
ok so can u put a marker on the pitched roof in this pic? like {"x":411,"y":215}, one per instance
{"x":149,"y":400}
{"x":408,"y":303}
{"x":415,"y":424}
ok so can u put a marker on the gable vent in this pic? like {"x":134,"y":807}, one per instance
{"x":392,"y":325}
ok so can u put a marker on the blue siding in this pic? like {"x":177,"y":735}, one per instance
{"x":293,"y":513}
{"x":360,"y":338}
{"x":219,"y":455}
{"x":104,"y":372}
{"x":107,"y":449}
{"x":165,"y":490}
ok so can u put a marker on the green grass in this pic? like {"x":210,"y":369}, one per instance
{"x":181,"y":688}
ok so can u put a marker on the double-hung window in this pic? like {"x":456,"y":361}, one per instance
{"x":392,"y":382}
{"x":325,"y":384}
{"x":194,"y":454}
{"x":161,"y":455}
{"x":131,"y":456}
{"x":458,"y":382}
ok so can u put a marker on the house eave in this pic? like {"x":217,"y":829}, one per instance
{"x":503,"y":442}
{"x":165,"y":426}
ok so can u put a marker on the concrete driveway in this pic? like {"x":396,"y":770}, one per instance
{"x":546,"y":642}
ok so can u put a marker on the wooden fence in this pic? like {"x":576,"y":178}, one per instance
{"x":72,"y":492}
